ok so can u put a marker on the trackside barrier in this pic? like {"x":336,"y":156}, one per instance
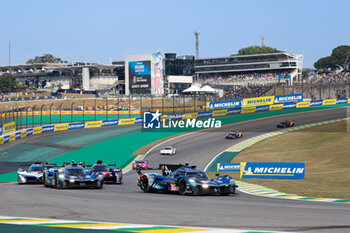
{"x":137,"y":120}
{"x":67,"y":126}
{"x":247,"y":107}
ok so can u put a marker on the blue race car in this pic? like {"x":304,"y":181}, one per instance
{"x":184,"y":179}
{"x":33,"y":175}
{"x":110,"y":175}
{"x":72,"y":176}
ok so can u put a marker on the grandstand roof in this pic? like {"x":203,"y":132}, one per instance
{"x":254,"y":55}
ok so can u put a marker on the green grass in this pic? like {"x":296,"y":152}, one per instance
{"x":325,"y":152}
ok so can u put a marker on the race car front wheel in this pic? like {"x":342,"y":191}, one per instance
{"x":182,"y":186}
{"x":144,"y":184}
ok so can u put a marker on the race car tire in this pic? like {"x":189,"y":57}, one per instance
{"x":55,"y":180}
{"x":144,"y":184}
{"x":182,"y":186}
{"x":45,"y":182}
{"x":99,"y":185}
{"x":19,"y":180}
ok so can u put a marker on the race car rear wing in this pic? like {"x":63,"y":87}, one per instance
{"x":165,"y":168}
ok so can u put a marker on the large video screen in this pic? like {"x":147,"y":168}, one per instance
{"x":140,"y":76}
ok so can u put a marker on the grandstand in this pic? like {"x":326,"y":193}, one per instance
{"x":257,"y":69}
{"x":69,"y":75}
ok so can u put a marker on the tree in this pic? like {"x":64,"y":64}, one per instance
{"x":8,"y":82}
{"x":46,"y":58}
{"x":342,"y":54}
{"x":256,"y":50}
{"x":339,"y":60}
{"x":327,"y":64}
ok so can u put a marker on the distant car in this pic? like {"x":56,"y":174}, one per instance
{"x":110,"y":175}
{"x":234,"y":134}
{"x":285,"y":124}
{"x":73,"y":176}
{"x":33,"y":175}
{"x":168,"y":150}
{"x":140,"y":163}
{"x":184,"y":179}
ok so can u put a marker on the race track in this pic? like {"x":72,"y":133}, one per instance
{"x":127,"y":203}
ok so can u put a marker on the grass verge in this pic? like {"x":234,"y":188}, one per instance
{"x":325,"y":151}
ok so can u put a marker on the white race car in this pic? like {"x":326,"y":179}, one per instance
{"x":33,"y":175}
{"x":168,"y":150}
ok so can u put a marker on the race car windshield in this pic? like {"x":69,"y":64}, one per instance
{"x":100,"y":168}
{"x":140,"y":162}
{"x":36,"y":169}
{"x":168,"y":148}
{"x":75,"y":171}
{"x":198,"y":175}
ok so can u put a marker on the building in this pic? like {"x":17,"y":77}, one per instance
{"x":283,"y":66}
{"x":158,"y":74}
{"x":87,"y":76}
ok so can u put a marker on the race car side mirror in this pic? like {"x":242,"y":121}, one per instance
{"x":217,"y":174}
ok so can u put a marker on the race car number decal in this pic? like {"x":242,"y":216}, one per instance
{"x":173,"y":187}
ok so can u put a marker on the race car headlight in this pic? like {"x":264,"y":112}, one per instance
{"x":72,"y":180}
{"x":205,"y":186}
{"x":192,"y":181}
{"x":232,"y":181}
{"x":99,"y":177}
{"x":61,"y":176}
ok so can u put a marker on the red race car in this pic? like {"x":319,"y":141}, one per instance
{"x":140,"y":163}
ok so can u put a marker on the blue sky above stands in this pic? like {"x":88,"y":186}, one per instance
{"x":102,"y":30}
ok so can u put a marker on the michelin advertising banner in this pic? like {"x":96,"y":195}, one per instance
{"x":225,"y":104}
{"x":228,"y":167}
{"x":266,"y":100}
{"x":272,"y":170}
{"x":280,"y":99}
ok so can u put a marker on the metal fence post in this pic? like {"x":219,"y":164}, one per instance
{"x":83,"y":110}
{"x":194,"y":103}
{"x":60,"y":113}
{"x":118,"y":106}
{"x":173,"y":105}
{"x":33,"y":116}
{"x":151,"y":103}
{"x":27,"y":117}
{"x":95,"y":108}
{"x":140,"y":105}
{"x":71,"y":112}
{"x":162,"y":105}
{"x":129,"y":104}
{"x":106,"y":108}
{"x":183,"y":103}
{"x":50,"y":112}
{"x":41,"y":114}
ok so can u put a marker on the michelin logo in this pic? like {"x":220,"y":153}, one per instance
{"x":228,"y":166}
{"x":273,"y":170}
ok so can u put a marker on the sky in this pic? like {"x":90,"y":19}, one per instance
{"x":108,"y":30}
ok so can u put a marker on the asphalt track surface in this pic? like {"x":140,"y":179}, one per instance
{"x":127,"y":203}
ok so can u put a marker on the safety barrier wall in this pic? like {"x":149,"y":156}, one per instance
{"x":137,"y":120}
{"x":67,"y":126}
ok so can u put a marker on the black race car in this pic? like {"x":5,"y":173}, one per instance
{"x":285,"y":124}
{"x":234,"y":134}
